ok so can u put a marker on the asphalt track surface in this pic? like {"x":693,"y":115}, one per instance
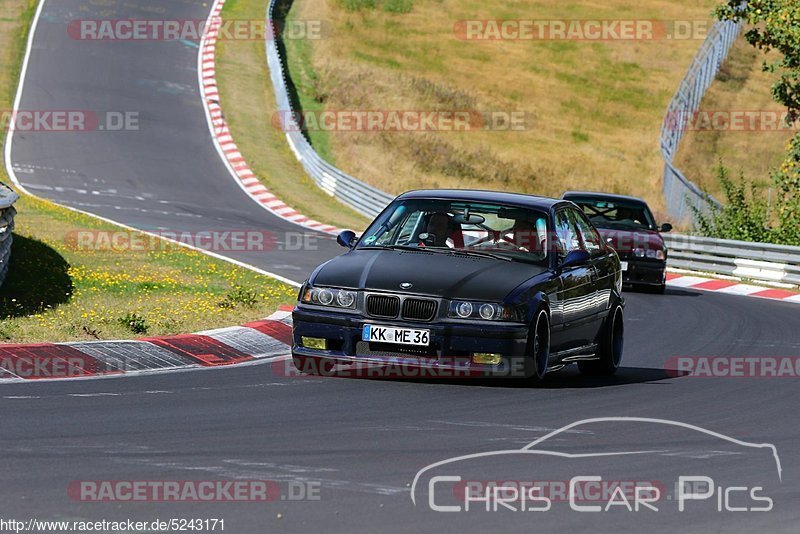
{"x":361,"y":441}
{"x":165,"y":175}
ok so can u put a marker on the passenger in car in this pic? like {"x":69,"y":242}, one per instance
{"x":443,"y":232}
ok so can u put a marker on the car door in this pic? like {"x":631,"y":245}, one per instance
{"x":602,"y":263}
{"x":576,"y":296}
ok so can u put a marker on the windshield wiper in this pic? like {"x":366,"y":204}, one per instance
{"x":392,"y":247}
{"x":440,"y":250}
{"x":480,"y":253}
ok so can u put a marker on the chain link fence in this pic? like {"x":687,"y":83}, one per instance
{"x":679,"y":192}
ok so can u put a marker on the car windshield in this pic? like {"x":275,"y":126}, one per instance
{"x":616,"y":214}
{"x":461,"y":227}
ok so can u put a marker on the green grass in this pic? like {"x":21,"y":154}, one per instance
{"x":307,"y":82}
{"x":248,"y":99}
{"x":57,"y":292}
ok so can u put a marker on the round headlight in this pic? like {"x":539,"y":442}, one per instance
{"x":345,"y":299}
{"x":325,"y":296}
{"x":464,"y":309}
{"x":487,"y":311}
{"x":639,"y":252}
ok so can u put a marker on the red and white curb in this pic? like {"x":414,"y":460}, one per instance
{"x":267,"y":340}
{"x":731,"y":287}
{"x":223,"y":140}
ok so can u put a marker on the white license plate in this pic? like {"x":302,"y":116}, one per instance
{"x":398,"y":336}
{"x":624,"y":265}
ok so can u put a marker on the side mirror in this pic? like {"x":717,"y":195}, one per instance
{"x":575,"y":258}
{"x":347,"y":239}
{"x":666,"y":227}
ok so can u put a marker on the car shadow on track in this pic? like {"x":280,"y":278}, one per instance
{"x":568,"y":378}
{"x":670,"y":292}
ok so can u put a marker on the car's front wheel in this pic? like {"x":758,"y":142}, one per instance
{"x":609,"y":352}
{"x":538,"y":348}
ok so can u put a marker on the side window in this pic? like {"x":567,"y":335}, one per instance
{"x":591,"y":238}
{"x":566,"y":235}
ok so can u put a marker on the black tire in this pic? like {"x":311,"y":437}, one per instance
{"x":537,"y":351}
{"x":660,"y":290}
{"x":612,"y":341}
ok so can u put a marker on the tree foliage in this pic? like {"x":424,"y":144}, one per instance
{"x":743,"y":216}
{"x":775,"y":27}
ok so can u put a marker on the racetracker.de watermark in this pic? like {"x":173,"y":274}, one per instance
{"x":396,"y":367}
{"x":222,"y":240}
{"x":68,"y":120}
{"x":731,"y":121}
{"x":217,"y":491}
{"x":577,"y":491}
{"x":195,"y":29}
{"x":32,"y":367}
{"x":734,"y":366}
{"x":580,"y":29}
{"x":401,"y":120}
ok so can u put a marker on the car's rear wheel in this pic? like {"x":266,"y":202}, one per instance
{"x":538,"y":349}
{"x":609,"y":352}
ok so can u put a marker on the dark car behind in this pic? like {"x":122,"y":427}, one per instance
{"x":628,"y":225}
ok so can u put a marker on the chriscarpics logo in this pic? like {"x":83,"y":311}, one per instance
{"x":609,"y":465}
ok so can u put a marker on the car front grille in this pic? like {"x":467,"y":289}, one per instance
{"x":419,"y":309}
{"x":383,"y":305}
{"x":386,"y":350}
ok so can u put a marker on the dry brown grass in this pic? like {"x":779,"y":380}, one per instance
{"x":740,"y":86}
{"x":594,"y":108}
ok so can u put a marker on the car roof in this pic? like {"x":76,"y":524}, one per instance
{"x":477,"y":195}
{"x":606,"y":196}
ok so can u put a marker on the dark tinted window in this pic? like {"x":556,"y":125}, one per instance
{"x":616,"y":214}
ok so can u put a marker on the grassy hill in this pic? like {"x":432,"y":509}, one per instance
{"x":741,"y":85}
{"x":593,"y":108}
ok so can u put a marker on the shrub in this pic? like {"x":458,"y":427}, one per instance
{"x":135,"y":323}
{"x":239,"y":296}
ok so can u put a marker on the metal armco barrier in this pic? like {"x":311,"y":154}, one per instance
{"x":755,"y":261}
{"x":361,"y":197}
{"x":7,"y":213}
{"x":680,"y":192}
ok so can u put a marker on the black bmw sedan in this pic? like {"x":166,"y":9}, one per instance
{"x":465,"y":283}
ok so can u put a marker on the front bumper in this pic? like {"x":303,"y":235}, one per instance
{"x":645,"y":272}
{"x":449,"y":354}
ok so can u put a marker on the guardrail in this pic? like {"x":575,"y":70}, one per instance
{"x":352,"y":192}
{"x":761,"y":262}
{"x":7,"y":213}
{"x":680,"y":192}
